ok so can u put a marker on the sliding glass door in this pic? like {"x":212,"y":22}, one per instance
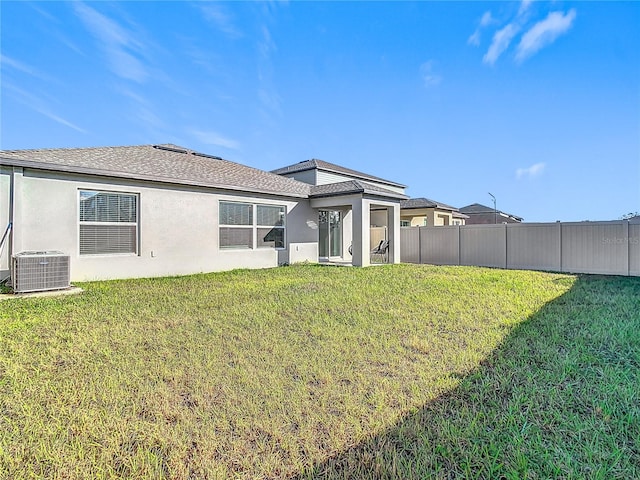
{"x":330,"y":234}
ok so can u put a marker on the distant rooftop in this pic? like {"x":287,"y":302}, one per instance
{"x":422,"y":202}
{"x":314,"y":163}
{"x":476,"y":208}
{"x":166,"y":163}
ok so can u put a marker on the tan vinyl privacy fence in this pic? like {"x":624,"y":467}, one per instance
{"x":376,"y":235}
{"x":611,"y":248}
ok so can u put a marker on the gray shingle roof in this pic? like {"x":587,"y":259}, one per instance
{"x":457,"y":214}
{"x":476,"y":208}
{"x":160,"y":163}
{"x":314,"y":163}
{"x":352,"y":186}
{"x":479,"y":208}
{"x":425,"y":203}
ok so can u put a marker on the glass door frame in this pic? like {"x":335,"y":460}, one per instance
{"x":330,"y":227}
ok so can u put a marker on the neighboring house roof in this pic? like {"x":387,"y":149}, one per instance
{"x":476,"y":208}
{"x":457,"y":214}
{"x":314,"y":163}
{"x":424,"y":203}
{"x":352,"y":186}
{"x":165,"y":163}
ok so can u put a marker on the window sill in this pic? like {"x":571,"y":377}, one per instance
{"x":107,"y":255}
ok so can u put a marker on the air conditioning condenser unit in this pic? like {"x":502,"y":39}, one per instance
{"x":40,"y":271}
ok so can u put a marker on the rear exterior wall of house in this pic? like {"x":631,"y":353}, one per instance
{"x":177,"y":228}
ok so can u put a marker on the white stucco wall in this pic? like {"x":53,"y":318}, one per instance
{"x":178,"y":227}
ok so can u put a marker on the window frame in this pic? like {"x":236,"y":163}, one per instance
{"x":282,"y":227}
{"x":235,"y":226}
{"x":254,"y":226}
{"x":136,"y":223}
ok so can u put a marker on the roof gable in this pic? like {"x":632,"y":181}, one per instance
{"x":317,"y":164}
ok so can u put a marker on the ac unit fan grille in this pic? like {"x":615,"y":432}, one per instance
{"x":32,"y":273}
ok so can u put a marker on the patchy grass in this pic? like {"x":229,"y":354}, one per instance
{"x":396,"y":371}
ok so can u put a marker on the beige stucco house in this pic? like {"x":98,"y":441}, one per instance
{"x":423,"y":212}
{"x":157,"y":210}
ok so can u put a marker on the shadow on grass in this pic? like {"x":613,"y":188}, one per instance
{"x":559,"y":399}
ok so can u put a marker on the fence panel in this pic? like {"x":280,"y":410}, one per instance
{"x":376,"y":235}
{"x":634,"y":249}
{"x":483,"y":245}
{"x":440,"y":246}
{"x":409,"y":245}
{"x":595,"y":248}
{"x":611,"y":248}
{"x":534,"y":246}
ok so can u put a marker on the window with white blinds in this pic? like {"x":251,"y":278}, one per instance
{"x":108,"y":222}
{"x":270,"y":226}
{"x":247,"y":225}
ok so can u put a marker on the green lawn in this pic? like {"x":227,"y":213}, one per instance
{"x":397,"y":371}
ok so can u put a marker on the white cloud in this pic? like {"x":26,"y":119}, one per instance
{"x":544,"y":33}
{"x":268,"y":95}
{"x":486,"y":19}
{"x":39,"y":105}
{"x":266,"y":46}
{"x":429,"y":77}
{"x":501,"y":40}
{"x":524,"y":6}
{"x":214,"y":138}
{"x":533,"y":171}
{"x":60,"y":120}
{"x":22,"y":67}
{"x":118,"y":44}
{"x":219,"y":17}
{"x":474,"y":38}
{"x":269,"y":99}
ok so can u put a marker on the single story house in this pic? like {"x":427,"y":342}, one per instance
{"x":157,"y":210}
{"x":423,"y":212}
{"x":481,"y":214}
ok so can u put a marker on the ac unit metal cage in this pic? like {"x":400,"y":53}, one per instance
{"x":40,"y":271}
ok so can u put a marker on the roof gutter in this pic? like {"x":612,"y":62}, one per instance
{"x":368,"y":193}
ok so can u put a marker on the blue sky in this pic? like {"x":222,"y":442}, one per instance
{"x":535,"y":102}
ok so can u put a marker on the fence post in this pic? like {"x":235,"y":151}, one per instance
{"x":459,"y":246}
{"x":560,"y":269}
{"x":506,"y":246}
{"x":625,"y":235}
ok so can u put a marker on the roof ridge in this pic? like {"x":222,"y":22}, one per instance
{"x":23,"y":150}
